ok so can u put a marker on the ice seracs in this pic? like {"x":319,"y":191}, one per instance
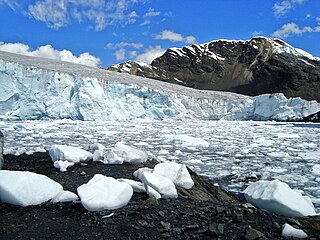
{"x":1,"y":150}
{"x":35,"y":88}
{"x":27,"y":188}
{"x":277,"y":197}
{"x":102,"y":193}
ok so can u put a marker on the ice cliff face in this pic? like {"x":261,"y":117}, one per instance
{"x":256,"y":66}
{"x":34,"y":88}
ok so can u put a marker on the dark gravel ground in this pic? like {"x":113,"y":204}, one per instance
{"x":205,"y":212}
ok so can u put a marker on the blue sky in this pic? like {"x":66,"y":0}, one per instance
{"x":104,"y":32}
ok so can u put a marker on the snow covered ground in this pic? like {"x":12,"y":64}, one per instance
{"x":286,"y":151}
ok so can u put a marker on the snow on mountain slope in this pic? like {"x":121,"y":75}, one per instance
{"x":35,"y":88}
{"x":257,"y":66}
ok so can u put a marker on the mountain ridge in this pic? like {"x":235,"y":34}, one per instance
{"x":250,"y":67}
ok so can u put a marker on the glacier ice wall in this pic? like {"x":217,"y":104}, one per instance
{"x":34,"y":88}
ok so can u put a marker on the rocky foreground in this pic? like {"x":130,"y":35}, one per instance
{"x":203,"y":212}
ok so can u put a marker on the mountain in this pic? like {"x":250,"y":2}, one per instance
{"x":257,"y":66}
{"x":36,"y":88}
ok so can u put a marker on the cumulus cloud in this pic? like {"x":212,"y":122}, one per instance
{"x":283,"y":7}
{"x":150,"y":54}
{"x":48,"y":51}
{"x":122,"y":48}
{"x":175,"y":37}
{"x":120,"y":54}
{"x":293,"y":29}
{"x":100,"y":13}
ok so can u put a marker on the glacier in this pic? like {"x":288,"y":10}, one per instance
{"x":36,"y":88}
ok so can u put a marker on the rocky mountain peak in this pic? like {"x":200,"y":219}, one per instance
{"x":256,"y":66}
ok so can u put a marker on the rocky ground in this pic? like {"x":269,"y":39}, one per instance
{"x":204,"y":212}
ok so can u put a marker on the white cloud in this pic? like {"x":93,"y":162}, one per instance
{"x":123,"y":45}
{"x":175,"y":37}
{"x":133,"y":54}
{"x":150,"y":54}
{"x":283,"y":7}
{"x":190,"y":40}
{"x":53,"y":13}
{"x":257,"y":33}
{"x":151,"y":13}
{"x":11,"y":4}
{"x":48,"y":51}
{"x":292,"y":29}
{"x":145,"y":22}
{"x":100,"y":13}
{"x":120,"y":54}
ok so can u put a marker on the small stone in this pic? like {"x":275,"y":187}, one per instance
{"x":216,"y":229}
{"x":192,"y":227}
{"x":220,"y":209}
{"x":161,"y":213}
{"x":252,"y":234}
{"x":165,"y":225}
{"x":143,"y":223}
{"x":239,"y":216}
{"x":277,"y":225}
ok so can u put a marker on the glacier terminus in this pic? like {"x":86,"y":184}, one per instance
{"x":35,"y":88}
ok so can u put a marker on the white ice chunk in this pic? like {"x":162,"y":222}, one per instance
{"x":136,"y":186}
{"x":129,"y":154}
{"x":316,"y":170}
{"x":138,"y":173}
{"x":277,"y":197}
{"x":69,"y":153}
{"x":27,"y":188}
{"x":152,"y":192}
{"x":103,"y":192}
{"x":63,"y":165}
{"x":189,"y":141}
{"x":161,"y":184}
{"x":98,"y":155}
{"x":112,"y":158}
{"x":177,"y":173}
{"x":289,"y":231}
{"x":96,"y":146}
{"x":65,"y":196}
